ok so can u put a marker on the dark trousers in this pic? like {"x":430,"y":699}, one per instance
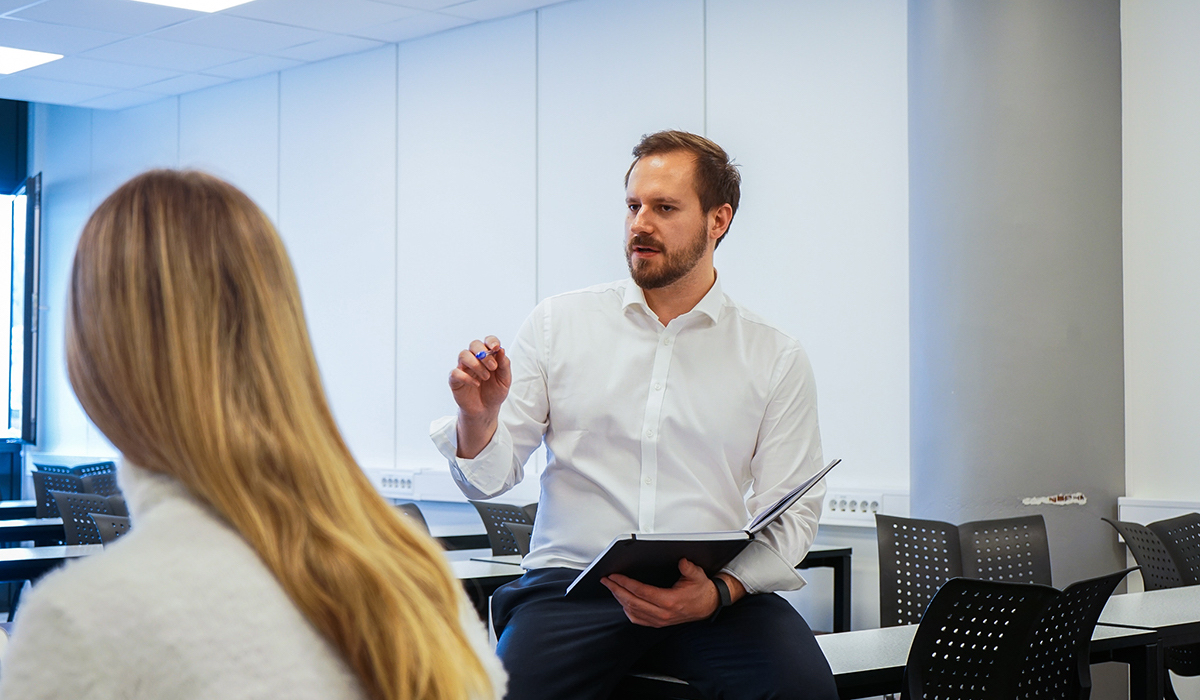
{"x":556,"y":648}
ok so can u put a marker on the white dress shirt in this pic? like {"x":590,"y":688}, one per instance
{"x":691,"y":427}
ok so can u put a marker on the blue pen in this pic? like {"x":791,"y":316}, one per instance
{"x":484,"y":353}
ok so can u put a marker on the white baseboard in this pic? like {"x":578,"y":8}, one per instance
{"x":1148,"y":510}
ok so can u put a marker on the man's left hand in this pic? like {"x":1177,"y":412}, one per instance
{"x":692,"y":598}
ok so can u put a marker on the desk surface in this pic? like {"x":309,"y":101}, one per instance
{"x":1162,"y":609}
{"x":871,"y":662}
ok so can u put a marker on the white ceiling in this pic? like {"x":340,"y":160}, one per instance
{"x":121,"y":53}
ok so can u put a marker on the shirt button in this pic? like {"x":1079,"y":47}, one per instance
{"x":649,"y":433}
{"x":649,"y":481}
{"x":658,"y":387}
{"x":666,"y":341}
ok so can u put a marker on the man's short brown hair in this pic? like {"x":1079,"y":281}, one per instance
{"x":716,"y":179}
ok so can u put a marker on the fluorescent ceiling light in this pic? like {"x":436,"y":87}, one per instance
{"x":198,"y":5}
{"x":13,"y":60}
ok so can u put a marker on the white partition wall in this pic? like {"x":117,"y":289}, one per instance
{"x":128,"y":142}
{"x":433,"y":191}
{"x":466,"y":262}
{"x":337,"y":215}
{"x":609,"y":71}
{"x":232,"y":131}
{"x":1161,"y":160}
{"x":810,"y":97}
{"x":62,"y":152}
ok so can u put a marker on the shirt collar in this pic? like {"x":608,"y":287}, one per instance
{"x":710,"y":305}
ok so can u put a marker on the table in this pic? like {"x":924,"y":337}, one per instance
{"x":1172,"y":614}
{"x":18,"y":509}
{"x":838,"y":559}
{"x":30,"y":563}
{"x":867,"y":663}
{"x":23,"y":529}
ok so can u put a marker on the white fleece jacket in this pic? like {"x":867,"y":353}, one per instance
{"x":180,"y":607}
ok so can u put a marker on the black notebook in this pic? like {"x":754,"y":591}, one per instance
{"x":653,"y":558}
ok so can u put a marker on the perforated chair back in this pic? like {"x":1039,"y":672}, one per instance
{"x":494,"y":516}
{"x":1009,"y":549}
{"x":522,"y":534}
{"x":412,"y":511}
{"x":101,"y":484}
{"x":79,"y":469}
{"x":972,"y":640}
{"x":531,"y":509}
{"x":1158,"y":568}
{"x":44,"y":483}
{"x":1181,"y":537}
{"x":1057,"y":665}
{"x":915,"y":558}
{"x":110,"y":526}
{"x":76,"y":509}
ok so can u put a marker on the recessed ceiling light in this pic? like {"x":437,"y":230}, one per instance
{"x":13,"y":60}
{"x":198,"y":5}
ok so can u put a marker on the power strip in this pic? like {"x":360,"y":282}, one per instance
{"x":392,"y":483}
{"x":857,"y":508}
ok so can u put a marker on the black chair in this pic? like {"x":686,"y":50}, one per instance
{"x":494,"y":516}
{"x":1008,"y":549}
{"x":1158,"y":568}
{"x":44,"y":483}
{"x":915,"y":558}
{"x":1181,"y":537}
{"x":521,"y":535}
{"x":110,"y":526}
{"x":77,"y":508}
{"x":101,"y":484}
{"x":996,"y":640}
{"x":411,"y":510}
{"x":79,"y":469}
{"x":1160,"y":563}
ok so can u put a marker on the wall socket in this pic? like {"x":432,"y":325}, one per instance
{"x":857,"y":508}
{"x":393,"y":483}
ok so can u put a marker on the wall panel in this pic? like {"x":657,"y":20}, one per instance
{"x":337,"y":216}
{"x":608,"y":72}
{"x":232,"y":131}
{"x":467,"y":251}
{"x":810,"y":98}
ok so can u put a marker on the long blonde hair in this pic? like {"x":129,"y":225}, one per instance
{"x":187,"y":346}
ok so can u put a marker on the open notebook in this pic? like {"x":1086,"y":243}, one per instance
{"x":653,"y":558}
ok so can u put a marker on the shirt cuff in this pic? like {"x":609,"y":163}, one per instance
{"x":761,"y":569}
{"x":471,"y":475}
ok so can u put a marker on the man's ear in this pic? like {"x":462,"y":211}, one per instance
{"x":718,"y":220}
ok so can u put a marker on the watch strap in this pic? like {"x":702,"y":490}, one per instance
{"x":724,"y":597}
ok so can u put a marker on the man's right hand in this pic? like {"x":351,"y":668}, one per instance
{"x":479,"y":387}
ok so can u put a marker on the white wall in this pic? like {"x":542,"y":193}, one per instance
{"x":1160,"y":111}
{"x":433,"y":191}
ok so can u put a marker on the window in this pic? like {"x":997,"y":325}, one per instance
{"x":20,"y":243}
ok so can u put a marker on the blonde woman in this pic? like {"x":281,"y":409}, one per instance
{"x":261,"y":563}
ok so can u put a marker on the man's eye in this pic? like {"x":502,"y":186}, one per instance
{"x":667,"y":207}
{"x":632,"y":207}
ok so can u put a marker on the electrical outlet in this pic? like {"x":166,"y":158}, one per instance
{"x":846,"y":507}
{"x":393,"y":483}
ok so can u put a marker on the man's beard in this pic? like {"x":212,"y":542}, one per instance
{"x":671,"y":265}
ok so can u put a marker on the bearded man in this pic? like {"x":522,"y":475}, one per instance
{"x":665,"y":406}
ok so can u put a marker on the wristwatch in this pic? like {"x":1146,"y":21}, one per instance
{"x":723,"y":594}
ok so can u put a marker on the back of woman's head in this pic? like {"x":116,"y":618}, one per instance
{"x":187,"y":346}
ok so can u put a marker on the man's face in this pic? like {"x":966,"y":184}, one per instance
{"x":666,"y":230}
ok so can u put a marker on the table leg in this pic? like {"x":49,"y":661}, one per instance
{"x":841,"y":594}
{"x":1146,"y":671}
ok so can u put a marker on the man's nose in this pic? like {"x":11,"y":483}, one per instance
{"x":640,"y":222}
